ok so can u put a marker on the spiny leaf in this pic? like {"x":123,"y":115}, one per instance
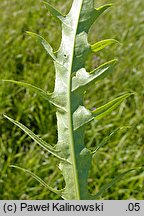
{"x":110,"y":184}
{"x":45,"y":44}
{"x":83,"y":79}
{"x":102,"y":44}
{"x":101,"y":71}
{"x":43,"y":183}
{"x":106,"y":139}
{"x":89,"y":14}
{"x":54,"y":12}
{"x":38,"y":140}
{"x":39,"y":91}
{"x":101,"y":9}
{"x":102,"y":111}
{"x":82,"y":116}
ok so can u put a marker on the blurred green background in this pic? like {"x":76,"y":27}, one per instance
{"x":22,"y":58}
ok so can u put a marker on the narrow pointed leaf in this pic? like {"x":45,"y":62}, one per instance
{"x":43,"y":183}
{"x":106,"y":139}
{"x":110,"y":184}
{"x":38,"y":140}
{"x":83,"y":80}
{"x":102,"y":44}
{"x":89,"y":14}
{"x":53,"y":11}
{"x":102,"y":111}
{"x":101,"y":9}
{"x":39,"y":91}
{"x":44,"y":43}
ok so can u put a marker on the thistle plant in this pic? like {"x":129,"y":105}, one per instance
{"x":71,"y":83}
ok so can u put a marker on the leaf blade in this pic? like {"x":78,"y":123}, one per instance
{"x":106,"y":139}
{"x":39,"y":91}
{"x":54,"y":12}
{"x":44,"y":43}
{"x":102,"y":8}
{"x":84,"y":80}
{"x":38,"y":140}
{"x":102,"y":44}
{"x":102,"y":111}
{"x":43,"y":183}
{"x":110,"y":184}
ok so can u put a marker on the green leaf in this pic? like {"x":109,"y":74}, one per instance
{"x":43,"y":183}
{"x":54,"y":12}
{"x":102,"y":44}
{"x":45,"y":44}
{"x":89,"y":14}
{"x":102,"y":111}
{"x":110,"y":184}
{"x":38,"y":140}
{"x":106,"y":139}
{"x":39,"y":91}
{"x":102,"y":8}
{"x":83,"y":80}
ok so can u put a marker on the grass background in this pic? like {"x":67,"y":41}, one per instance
{"x":22,"y":58}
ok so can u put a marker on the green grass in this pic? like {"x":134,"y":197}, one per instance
{"x":22,"y":58}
